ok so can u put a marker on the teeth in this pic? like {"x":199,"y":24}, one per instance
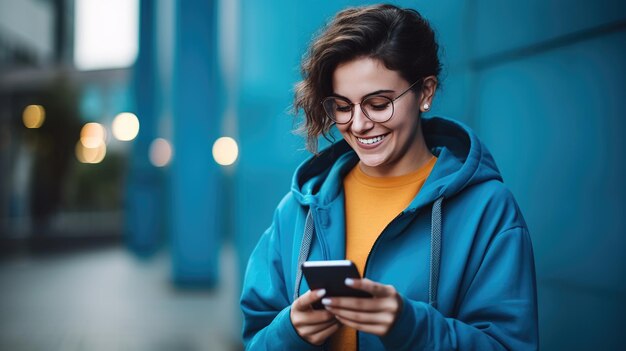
{"x":372,"y":140}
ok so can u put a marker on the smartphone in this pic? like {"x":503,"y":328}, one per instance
{"x":331,"y":275}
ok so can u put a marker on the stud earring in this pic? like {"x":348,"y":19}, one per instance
{"x":426,"y":107}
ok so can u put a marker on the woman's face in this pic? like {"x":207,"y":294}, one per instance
{"x":390,"y":148}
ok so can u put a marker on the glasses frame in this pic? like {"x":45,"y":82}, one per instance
{"x":352,"y":105}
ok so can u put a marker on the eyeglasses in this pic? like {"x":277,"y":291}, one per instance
{"x":377,"y":108}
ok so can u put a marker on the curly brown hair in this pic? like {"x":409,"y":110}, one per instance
{"x":400,"y":38}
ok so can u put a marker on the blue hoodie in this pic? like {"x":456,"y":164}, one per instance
{"x":459,"y":255}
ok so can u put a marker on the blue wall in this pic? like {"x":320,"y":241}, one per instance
{"x":550,"y":94}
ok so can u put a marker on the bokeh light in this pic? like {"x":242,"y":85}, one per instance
{"x":90,"y":155}
{"x":160,"y":152}
{"x":33,"y":116}
{"x":225,"y":151}
{"x":92,"y":135}
{"x":125,"y":126}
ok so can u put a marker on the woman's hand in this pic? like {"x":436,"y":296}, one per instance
{"x":371,"y":315}
{"x":314,"y":326}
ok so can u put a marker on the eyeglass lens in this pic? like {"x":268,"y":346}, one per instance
{"x":376,"y":108}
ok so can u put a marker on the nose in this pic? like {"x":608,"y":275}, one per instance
{"x":360,"y":122}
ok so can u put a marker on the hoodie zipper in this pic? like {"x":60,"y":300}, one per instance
{"x":367,"y":260}
{"x":378,"y":240}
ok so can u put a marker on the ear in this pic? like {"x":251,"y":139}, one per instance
{"x":429,"y":86}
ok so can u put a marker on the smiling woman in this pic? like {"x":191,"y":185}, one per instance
{"x":386,"y":138}
{"x":417,"y":204}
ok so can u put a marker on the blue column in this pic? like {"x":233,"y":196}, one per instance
{"x":144,"y":223}
{"x":195,"y":176}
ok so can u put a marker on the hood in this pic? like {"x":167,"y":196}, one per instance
{"x":463,"y":160}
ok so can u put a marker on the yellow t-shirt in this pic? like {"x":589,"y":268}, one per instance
{"x":371,"y":203}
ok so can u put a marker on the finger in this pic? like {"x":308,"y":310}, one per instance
{"x":376,"y":329}
{"x":384,"y":318}
{"x":304,"y":302}
{"x":316,"y":328}
{"x":370,"y":286}
{"x":361,"y":304}
{"x":317,"y":316}
{"x":309,"y":317}
{"x":321,"y":336}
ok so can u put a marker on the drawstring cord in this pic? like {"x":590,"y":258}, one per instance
{"x":305,"y":247}
{"x":435,"y":252}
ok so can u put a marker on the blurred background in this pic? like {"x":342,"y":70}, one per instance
{"x":144,"y":146}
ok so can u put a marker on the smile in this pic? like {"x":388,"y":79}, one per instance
{"x":371,"y":141}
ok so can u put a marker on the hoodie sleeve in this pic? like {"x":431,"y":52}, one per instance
{"x":498,"y":312}
{"x":264,"y":300}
